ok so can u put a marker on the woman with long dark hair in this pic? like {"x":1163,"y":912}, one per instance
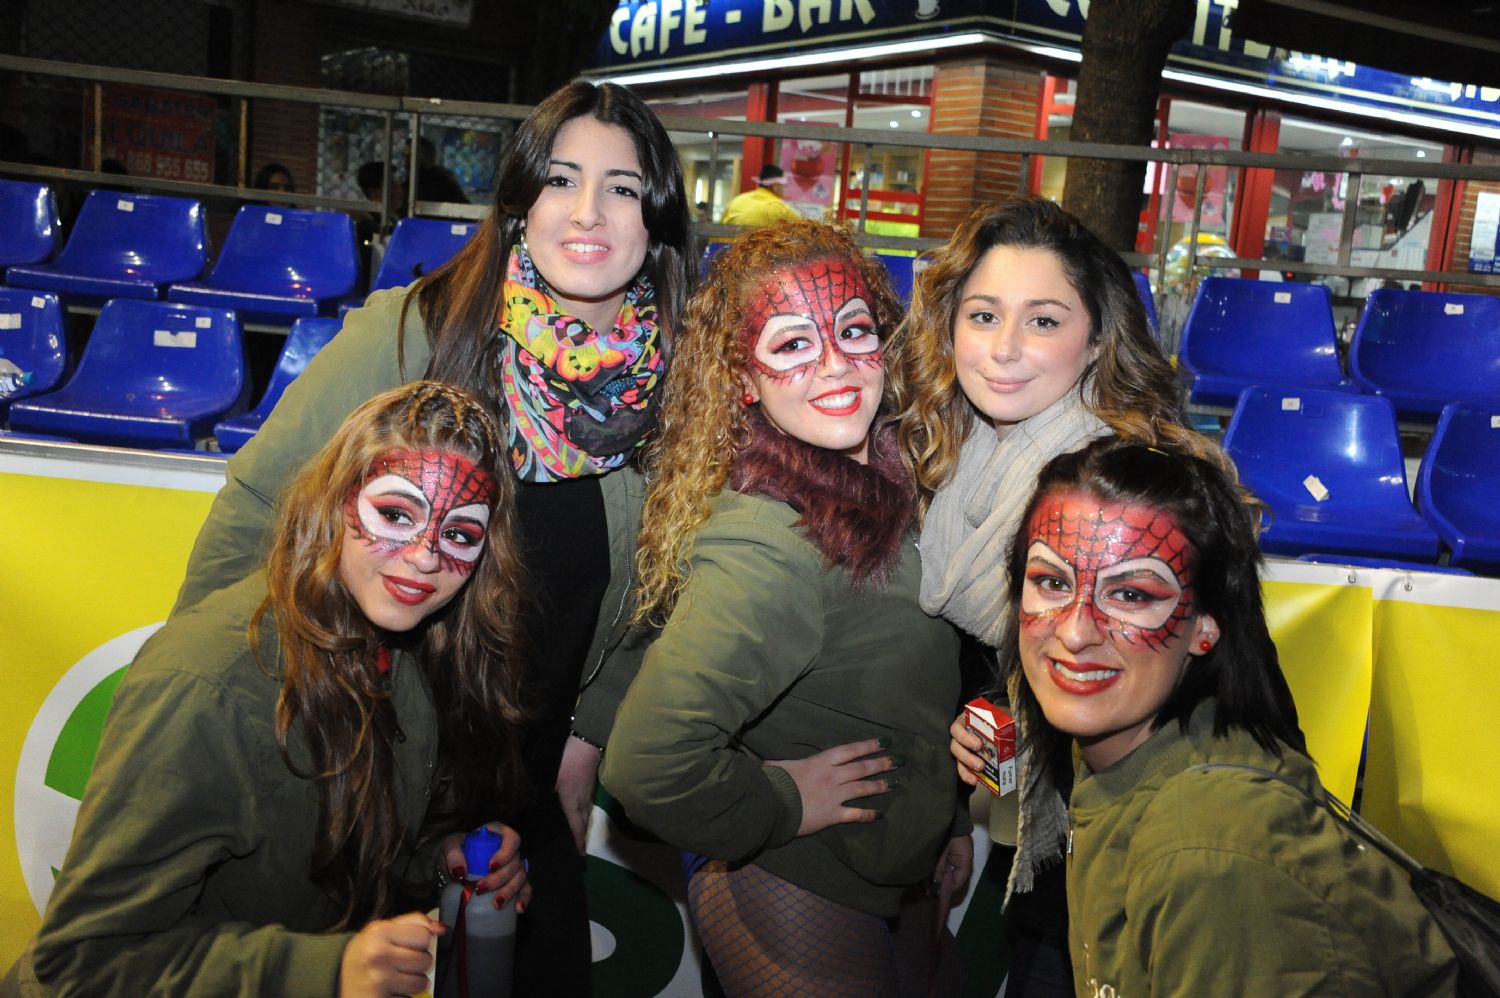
{"x":560,"y":314}
{"x":1199,"y":858}
{"x":288,"y":763}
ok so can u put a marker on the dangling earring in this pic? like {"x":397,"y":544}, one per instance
{"x":747,"y":398}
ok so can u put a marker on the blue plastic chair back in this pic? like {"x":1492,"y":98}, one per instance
{"x":1424,"y":349}
{"x":153,"y":374}
{"x":33,"y":347}
{"x":124,"y":246}
{"x":28,"y":222}
{"x":1458,"y":486}
{"x":1143,"y":291}
{"x":900,"y":269}
{"x":1242,"y":332}
{"x":306,"y":338}
{"x":709,"y":252}
{"x":1329,"y":465}
{"x":419,"y":246}
{"x":280,"y":263}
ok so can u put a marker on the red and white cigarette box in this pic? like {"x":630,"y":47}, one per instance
{"x":998,"y":730}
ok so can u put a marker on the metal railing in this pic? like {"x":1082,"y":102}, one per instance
{"x":411,"y":109}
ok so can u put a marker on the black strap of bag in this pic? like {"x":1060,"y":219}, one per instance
{"x":1469,"y":920}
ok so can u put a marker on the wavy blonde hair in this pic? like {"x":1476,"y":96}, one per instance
{"x":332,"y":695}
{"x":1130,"y":385}
{"x":703,"y":422}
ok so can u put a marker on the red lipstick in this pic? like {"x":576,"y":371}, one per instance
{"x":401,"y":590}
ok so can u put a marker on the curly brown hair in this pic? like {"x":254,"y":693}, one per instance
{"x":703,"y":423}
{"x":331,"y":695}
{"x":1130,"y":385}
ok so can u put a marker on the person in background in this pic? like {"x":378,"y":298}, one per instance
{"x":1030,"y":329}
{"x":559,"y":315}
{"x":763,"y":204}
{"x":797,"y":692}
{"x":1200,"y":857}
{"x":436,"y":182}
{"x":268,"y":810}
{"x":274,"y":177}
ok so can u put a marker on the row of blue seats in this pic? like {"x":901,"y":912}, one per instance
{"x":277,"y":264}
{"x":1420,"y":349}
{"x":1329,"y":465}
{"x":158,"y":375}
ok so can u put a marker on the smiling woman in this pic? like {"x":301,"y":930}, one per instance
{"x":1135,"y":632}
{"x":795,"y":670}
{"x":272,"y":799}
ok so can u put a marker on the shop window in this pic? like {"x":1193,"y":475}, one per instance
{"x":1393,"y":215}
{"x":706,"y":186}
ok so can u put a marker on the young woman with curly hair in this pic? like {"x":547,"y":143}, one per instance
{"x":1030,"y":336}
{"x":787,"y":725}
{"x":284,"y":763}
{"x":559,"y":315}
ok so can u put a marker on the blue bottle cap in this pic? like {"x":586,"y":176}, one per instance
{"x":480,"y":846}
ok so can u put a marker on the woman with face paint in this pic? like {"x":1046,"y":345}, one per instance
{"x":787,"y":727}
{"x":272,"y":796}
{"x":1031,"y":332}
{"x":1196,"y":864}
{"x":559,"y":314}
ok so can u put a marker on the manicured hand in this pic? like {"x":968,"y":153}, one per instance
{"x":506,"y":877}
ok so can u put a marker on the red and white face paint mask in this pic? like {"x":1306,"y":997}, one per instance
{"x":1108,"y":618}
{"x":416,"y":528}
{"x":816,"y":355}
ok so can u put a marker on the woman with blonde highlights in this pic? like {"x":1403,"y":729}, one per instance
{"x":795,"y":693}
{"x":1030,"y":332}
{"x":287,"y":765}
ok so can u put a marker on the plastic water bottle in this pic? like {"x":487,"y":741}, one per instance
{"x":486,"y":939}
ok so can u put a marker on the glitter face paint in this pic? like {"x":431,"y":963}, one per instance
{"x":415,"y":530}
{"x":1109,"y":622}
{"x":816,"y":358}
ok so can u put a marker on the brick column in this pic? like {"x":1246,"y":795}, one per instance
{"x":976,"y":96}
{"x":1464,"y":231}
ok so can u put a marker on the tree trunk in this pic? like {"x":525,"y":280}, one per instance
{"x":1125,"y":46}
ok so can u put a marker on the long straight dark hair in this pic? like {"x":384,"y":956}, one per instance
{"x":459,"y":302}
{"x":1242,"y":672}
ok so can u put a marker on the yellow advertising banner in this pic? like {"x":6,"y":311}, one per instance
{"x":107,"y":535}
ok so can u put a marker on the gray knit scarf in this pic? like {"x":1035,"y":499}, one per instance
{"x":965,"y":539}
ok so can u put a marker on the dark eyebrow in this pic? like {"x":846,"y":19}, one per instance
{"x":607,"y":173}
{"x":1056,"y":562}
{"x":1029,"y":303}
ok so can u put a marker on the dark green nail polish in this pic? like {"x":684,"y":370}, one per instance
{"x":884,"y":743}
{"x":898,"y":760}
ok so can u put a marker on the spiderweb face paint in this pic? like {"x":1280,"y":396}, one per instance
{"x":802,"y":315}
{"x":435,"y":501}
{"x":1130,"y":568}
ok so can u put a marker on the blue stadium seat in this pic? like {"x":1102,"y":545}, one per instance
{"x":1293,"y":446}
{"x":1458,"y":486}
{"x":419,"y":246}
{"x":279,"y":264}
{"x":153,"y":374}
{"x":28,"y":223}
{"x":1143,"y":290}
{"x":33,"y":349}
{"x":1242,"y":332}
{"x":709,"y":252}
{"x":900,"y":269}
{"x":307,"y":337}
{"x":1424,"y":349}
{"x":123,"y":246}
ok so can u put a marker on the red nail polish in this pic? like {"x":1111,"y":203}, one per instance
{"x":499,"y":900}
{"x":458,"y":872}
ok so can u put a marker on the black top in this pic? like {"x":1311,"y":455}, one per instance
{"x":565,"y":548}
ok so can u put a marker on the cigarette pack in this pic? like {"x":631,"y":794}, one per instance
{"x":998,"y":731}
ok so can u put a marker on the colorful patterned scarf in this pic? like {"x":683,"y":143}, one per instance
{"x":580,"y":400}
